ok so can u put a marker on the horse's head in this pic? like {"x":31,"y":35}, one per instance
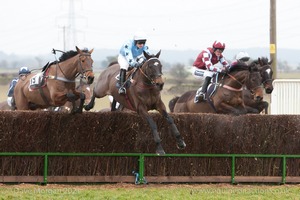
{"x":253,"y":83}
{"x":86,"y":64}
{"x":266,"y":74}
{"x":152,"y":70}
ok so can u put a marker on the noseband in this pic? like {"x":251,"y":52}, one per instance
{"x":83,"y":71}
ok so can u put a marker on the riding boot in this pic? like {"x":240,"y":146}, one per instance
{"x":200,"y":95}
{"x":122,"y":79}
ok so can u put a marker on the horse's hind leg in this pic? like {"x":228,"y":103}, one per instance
{"x":180,"y":142}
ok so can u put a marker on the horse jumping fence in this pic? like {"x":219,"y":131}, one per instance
{"x":142,"y":178}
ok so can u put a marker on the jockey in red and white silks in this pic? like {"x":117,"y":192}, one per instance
{"x":204,"y":66}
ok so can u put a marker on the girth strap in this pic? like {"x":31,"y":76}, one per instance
{"x":43,"y":96}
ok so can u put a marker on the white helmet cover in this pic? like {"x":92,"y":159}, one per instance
{"x":242,"y":55}
{"x":140,"y":35}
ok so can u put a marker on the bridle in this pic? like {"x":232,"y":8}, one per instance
{"x":151,"y":80}
{"x":65,"y":78}
{"x":241,"y":84}
{"x":83,"y":71}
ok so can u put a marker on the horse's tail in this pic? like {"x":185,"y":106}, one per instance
{"x":172,"y":103}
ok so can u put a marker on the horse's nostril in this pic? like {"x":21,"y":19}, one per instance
{"x":259,"y":98}
{"x":90,"y":80}
{"x":269,"y":90}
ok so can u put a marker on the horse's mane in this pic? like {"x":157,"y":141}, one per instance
{"x":70,"y":54}
{"x":264,"y":60}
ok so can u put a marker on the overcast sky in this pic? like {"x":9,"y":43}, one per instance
{"x":36,"y":26}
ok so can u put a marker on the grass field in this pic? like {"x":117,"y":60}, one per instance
{"x":150,"y":192}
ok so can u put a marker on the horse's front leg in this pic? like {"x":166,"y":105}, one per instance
{"x":72,"y":98}
{"x":251,"y":110}
{"x":159,"y":149}
{"x":180,"y":142}
{"x":91,"y":104}
{"x":229,"y":109}
{"x":263,"y":106}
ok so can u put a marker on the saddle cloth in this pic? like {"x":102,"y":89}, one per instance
{"x":37,"y":81}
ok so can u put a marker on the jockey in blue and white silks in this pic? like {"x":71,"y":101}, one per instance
{"x":131,"y":54}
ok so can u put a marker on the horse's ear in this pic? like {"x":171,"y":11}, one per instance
{"x":147,"y":56}
{"x":270,"y":62}
{"x":91,"y":51}
{"x":78,"y":50}
{"x":158,"y":54}
{"x":260,"y":61}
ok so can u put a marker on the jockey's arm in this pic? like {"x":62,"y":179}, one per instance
{"x":224,"y":62}
{"x":128,"y":55}
{"x":206,"y":60}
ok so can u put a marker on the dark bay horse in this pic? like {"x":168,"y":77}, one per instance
{"x":56,"y":84}
{"x":228,"y":98}
{"x":266,"y":72}
{"x":142,"y":95}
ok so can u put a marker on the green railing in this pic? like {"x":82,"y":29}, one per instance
{"x":142,"y":159}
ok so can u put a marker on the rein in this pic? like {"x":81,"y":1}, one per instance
{"x":64,"y":78}
{"x":152,"y":83}
{"x":232,"y":88}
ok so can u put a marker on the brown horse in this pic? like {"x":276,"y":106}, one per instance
{"x":228,"y":98}
{"x":56,"y":85}
{"x":266,"y":72}
{"x":146,"y":83}
{"x":82,"y":87}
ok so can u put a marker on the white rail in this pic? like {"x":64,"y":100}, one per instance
{"x":285,"y":98}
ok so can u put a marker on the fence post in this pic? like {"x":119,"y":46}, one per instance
{"x":45,"y":169}
{"x":141,"y":168}
{"x":232,"y":169}
{"x":283,"y":169}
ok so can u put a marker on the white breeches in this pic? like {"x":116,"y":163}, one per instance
{"x":123,"y":62}
{"x":202,"y":73}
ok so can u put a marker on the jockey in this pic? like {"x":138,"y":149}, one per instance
{"x":23,"y":71}
{"x":131,"y":54}
{"x":204,"y":66}
{"x":242,"y":58}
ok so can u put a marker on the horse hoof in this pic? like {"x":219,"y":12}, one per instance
{"x":86,"y":108}
{"x":181,"y":145}
{"x":160,"y":152}
{"x":89,"y":106}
